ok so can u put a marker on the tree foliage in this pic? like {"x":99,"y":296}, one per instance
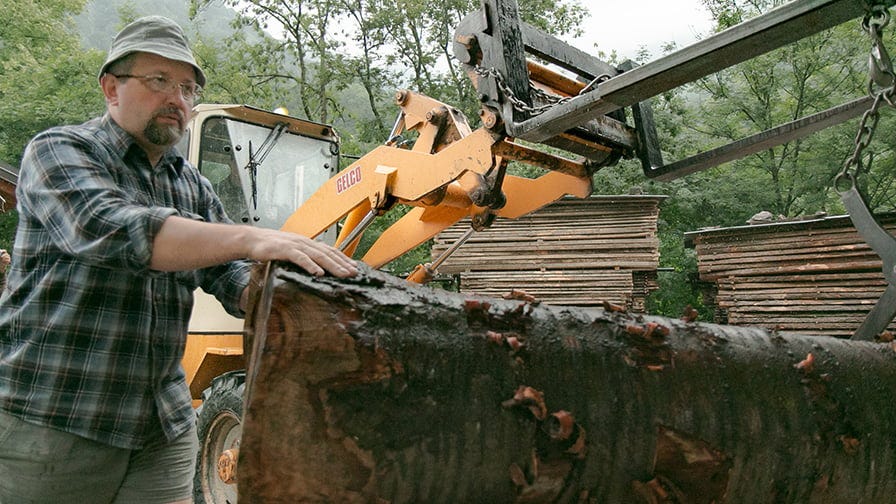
{"x":46,"y":78}
{"x":806,"y":77}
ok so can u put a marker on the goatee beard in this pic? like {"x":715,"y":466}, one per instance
{"x":163,"y":135}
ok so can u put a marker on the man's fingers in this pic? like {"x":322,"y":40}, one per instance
{"x":333,"y":261}
{"x":347,"y":263}
{"x":315,"y":257}
{"x":306,"y":263}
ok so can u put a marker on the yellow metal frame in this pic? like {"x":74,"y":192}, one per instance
{"x":209,"y":355}
{"x":438,"y":175}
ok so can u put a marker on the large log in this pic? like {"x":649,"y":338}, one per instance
{"x":375,"y":390}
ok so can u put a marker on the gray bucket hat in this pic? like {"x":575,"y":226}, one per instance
{"x":153,"y":34}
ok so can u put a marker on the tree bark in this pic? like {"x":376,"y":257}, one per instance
{"x":375,"y":390}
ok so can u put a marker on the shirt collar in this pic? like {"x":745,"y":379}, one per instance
{"x":123,"y":142}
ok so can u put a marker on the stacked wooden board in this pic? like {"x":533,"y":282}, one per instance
{"x":575,"y":252}
{"x":815,"y":277}
{"x":9,"y":177}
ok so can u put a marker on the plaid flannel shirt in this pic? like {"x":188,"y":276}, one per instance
{"x":90,"y":338}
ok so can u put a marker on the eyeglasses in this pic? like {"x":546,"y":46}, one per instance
{"x":161,"y":84}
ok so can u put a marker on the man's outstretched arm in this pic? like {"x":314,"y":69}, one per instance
{"x":186,"y":244}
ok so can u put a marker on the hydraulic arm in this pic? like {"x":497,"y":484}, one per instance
{"x":449,"y":173}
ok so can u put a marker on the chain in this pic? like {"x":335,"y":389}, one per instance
{"x":549,"y":99}
{"x":880,"y":66}
{"x":881,"y":87}
{"x":867,"y":127}
{"x":517,"y":103}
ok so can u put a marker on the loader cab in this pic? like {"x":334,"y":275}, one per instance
{"x":262,"y":165}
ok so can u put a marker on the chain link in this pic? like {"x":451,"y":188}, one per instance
{"x":550,"y":100}
{"x":516,"y":102}
{"x":880,"y":66}
{"x":881,"y":87}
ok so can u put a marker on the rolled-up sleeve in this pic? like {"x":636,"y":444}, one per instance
{"x":84,"y":206}
{"x":226,"y":283}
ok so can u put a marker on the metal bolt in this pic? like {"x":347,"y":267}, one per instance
{"x":435,"y":115}
{"x":489,"y":119}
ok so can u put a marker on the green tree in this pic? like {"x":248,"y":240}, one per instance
{"x":805,"y":77}
{"x":306,"y":34}
{"x":46,"y":78}
{"x":243,"y":68}
{"x":8,"y":223}
{"x":370,"y":39}
{"x":371,"y":45}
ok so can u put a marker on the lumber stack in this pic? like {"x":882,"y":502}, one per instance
{"x":574,"y":252}
{"x":814,"y":277}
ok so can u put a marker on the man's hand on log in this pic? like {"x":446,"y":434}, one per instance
{"x":315,"y":257}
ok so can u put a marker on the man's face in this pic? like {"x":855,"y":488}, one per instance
{"x":157,"y":119}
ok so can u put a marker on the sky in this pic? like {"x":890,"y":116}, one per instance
{"x":627,"y":25}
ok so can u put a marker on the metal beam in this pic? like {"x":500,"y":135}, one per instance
{"x":774,"y":29}
{"x":556,"y":51}
{"x":760,"y":141}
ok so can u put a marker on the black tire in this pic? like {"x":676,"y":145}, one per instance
{"x":219,"y":426}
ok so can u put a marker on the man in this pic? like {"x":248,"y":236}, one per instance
{"x":115,"y":232}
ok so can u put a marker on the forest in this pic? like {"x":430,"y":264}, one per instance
{"x":340,"y":62}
